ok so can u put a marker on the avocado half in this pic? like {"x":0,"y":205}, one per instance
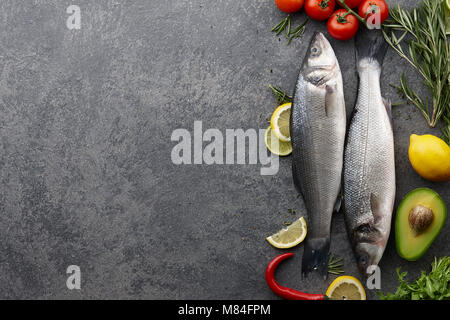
{"x":412,"y":242}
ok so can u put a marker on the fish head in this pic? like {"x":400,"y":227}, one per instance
{"x":369,"y":241}
{"x":367,"y":254}
{"x":320,"y":63}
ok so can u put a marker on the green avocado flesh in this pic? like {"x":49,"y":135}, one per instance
{"x":410,"y":244}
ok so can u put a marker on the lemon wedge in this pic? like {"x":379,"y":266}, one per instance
{"x":346,"y":288}
{"x":280,"y":122}
{"x":290,"y":236}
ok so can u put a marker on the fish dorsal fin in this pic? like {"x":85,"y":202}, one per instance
{"x":375,"y":206}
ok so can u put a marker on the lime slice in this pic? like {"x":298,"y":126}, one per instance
{"x":346,"y":288}
{"x":276,"y":146}
{"x":289,"y":237}
{"x":280,"y":122}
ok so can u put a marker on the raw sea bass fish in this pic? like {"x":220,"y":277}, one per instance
{"x":318,"y":125}
{"x":369,"y":168}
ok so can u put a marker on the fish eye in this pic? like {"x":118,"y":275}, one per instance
{"x":363,"y":260}
{"x":315,"y":51}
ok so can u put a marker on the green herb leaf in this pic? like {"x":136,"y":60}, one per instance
{"x":285,"y":25}
{"x":335,"y":265}
{"x":282,"y":97}
{"x":432,"y":286}
{"x":281,"y":26}
{"x":297,"y":32}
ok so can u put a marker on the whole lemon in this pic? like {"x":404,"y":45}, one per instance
{"x":430,"y":157}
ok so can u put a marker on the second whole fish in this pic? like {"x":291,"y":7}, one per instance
{"x":369,"y":168}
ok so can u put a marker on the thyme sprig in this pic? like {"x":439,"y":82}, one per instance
{"x":428,"y":51}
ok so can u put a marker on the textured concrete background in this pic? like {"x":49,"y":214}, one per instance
{"x":85,"y":167}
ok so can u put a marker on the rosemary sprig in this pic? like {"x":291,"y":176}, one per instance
{"x":288,"y":28}
{"x":428,"y":51}
{"x":282,"y":97}
{"x":285,"y":25}
{"x":335,"y":265}
{"x":297,"y":32}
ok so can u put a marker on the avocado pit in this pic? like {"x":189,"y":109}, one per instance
{"x":420,"y":218}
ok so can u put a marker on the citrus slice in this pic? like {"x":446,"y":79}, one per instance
{"x":280,"y":122}
{"x":346,"y":288}
{"x":276,"y":146}
{"x":290,"y":236}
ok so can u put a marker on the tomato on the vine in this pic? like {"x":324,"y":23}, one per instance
{"x":319,"y":9}
{"x":371,"y":7}
{"x":289,"y":6}
{"x":342,"y":25}
{"x":351,"y":3}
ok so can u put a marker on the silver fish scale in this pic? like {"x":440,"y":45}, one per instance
{"x":318,"y":142}
{"x":369,"y":157}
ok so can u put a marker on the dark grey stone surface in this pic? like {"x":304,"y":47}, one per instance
{"x":86,"y":176}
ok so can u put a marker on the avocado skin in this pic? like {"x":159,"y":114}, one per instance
{"x":402,"y":222}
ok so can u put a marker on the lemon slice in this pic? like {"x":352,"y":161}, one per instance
{"x":346,"y":288}
{"x":290,"y":236}
{"x":280,"y":122}
{"x":276,"y":146}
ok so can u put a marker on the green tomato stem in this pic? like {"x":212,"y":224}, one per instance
{"x":349,"y":10}
{"x":324,"y":4}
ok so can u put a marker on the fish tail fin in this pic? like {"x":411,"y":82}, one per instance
{"x":316,"y":256}
{"x":370,"y":44}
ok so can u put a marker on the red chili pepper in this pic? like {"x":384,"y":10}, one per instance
{"x":284,"y":292}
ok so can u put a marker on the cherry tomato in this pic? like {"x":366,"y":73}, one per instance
{"x":289,"y":6}
{"x":319,"y":9}
{"x":371,"y":7}
{"x":342,"y":25}
{"x":351,"y":3}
